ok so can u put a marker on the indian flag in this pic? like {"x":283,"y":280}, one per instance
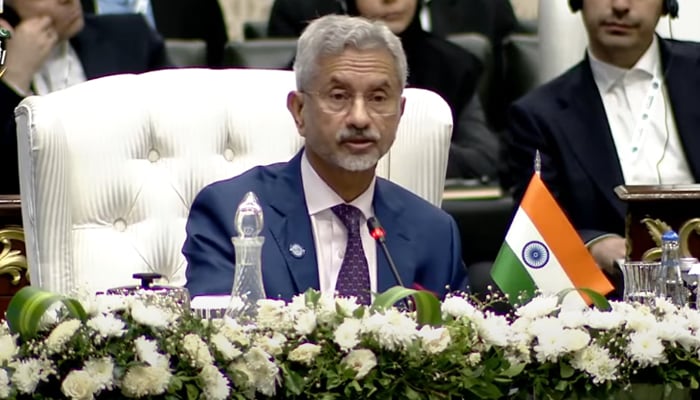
{"x":543,"y":251}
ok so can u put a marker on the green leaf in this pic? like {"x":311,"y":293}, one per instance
{"x":192,"y":391}
{"x":565,"y":370}
{"x":390,"y":297}
{"x":599,"y":301}
{"x":293,"y":381}
{"x":427,"y":305}
{"x":428,"y":310}
{"x":30,"y":303}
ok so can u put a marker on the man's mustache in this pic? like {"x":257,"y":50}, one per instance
{"x":347,"y":134}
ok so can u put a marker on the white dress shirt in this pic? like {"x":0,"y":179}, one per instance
{"x":641,"y":120}
{"x":60,"y":70}
{"x":330,"y":235}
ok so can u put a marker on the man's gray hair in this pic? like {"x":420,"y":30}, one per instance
{"x":332,"y":34}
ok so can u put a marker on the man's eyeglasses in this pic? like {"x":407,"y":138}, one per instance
{"x":341,"y":102}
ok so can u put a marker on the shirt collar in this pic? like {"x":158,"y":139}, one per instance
{"x":606,"y":75}
{"x":320,"y":197}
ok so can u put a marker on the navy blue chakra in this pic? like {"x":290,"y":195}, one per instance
{"x":535,"y":254}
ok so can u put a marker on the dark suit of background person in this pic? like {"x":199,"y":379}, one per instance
{"x":188,"y":19}
{"x":492,"y":18}
{"x":445,"y":68}
{"x":193,"y":19}
{"x":107,"y":45}
{"x":566,"y":121}
{"x":420,"y":253}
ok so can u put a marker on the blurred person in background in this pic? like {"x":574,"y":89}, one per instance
{"x":494,"y":19}
{"x":54,"y":46}
{"x":445,"y":68}
{"x":176,"y":19}
{"x":626,"y":114}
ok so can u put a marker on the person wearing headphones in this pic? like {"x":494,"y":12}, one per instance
{"x":494,"y":19}
{"x":624,"y":115}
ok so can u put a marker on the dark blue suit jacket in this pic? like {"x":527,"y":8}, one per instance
{"x":422,"y":239}
{"x":107,"y":45}
{"x":565,"y":119}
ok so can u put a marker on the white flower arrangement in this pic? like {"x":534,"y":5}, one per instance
{"x":319,"y":347}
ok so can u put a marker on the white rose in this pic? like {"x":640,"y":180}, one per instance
{"x":305,"y":353}
{"x":361,"y":361}
{"x":78,"y":385}
{"x":434,"y":340}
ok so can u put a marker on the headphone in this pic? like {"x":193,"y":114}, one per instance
{"x":670,"y":7}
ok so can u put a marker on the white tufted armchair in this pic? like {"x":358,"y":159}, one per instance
{"x":109,"y":168}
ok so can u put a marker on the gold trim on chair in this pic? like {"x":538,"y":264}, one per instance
{"x":656,"y":228}
{"x":12,"y":262}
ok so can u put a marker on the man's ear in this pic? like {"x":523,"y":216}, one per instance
{"x":403,"y":104}
{"x":295,"y":105}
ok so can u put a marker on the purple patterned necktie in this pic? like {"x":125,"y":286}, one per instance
{"x":353,"y":279}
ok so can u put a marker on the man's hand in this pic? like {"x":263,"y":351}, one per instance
{"x":31,"y":43}
{"x":606,"y":251}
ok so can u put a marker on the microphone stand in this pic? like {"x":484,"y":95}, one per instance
{"x":377,"y":232}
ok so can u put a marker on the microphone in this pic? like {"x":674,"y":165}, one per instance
{"x":378,"y":233}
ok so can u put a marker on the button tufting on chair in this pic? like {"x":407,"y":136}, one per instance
{"x":228,"y":154}
{"x":119,"y":225}
{"x":153,"y":155}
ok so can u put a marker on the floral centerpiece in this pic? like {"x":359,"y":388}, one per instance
{"x":320,"y":347}
{"x":628,"y":351}
{"x":312,"y":347}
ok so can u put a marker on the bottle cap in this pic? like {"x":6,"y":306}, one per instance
{"x":669,"y":235}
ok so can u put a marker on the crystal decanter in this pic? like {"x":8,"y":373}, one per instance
{"x":247,"y":281}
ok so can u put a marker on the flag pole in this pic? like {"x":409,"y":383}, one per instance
{"x":538,"y":162}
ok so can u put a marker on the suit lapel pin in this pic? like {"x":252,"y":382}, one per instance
{"x":296,"y":250}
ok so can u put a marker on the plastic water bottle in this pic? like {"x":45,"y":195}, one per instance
{"x":671,"y":285}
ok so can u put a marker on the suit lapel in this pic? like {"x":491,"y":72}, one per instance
{"x":291,"y":229}
{"x":389,"y":208}
{"x":683,"y":85}
{"x":96,"y":58}
{"x":587,"y":132}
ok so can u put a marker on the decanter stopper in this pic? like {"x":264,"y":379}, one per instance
{"x":247,"y":280}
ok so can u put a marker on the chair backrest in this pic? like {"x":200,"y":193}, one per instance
{"x":521,"y":62}
{"x":109,"y":168}
{"x":187,"y":52}
{"x":480,"y":46}
{"x":260,"y":53}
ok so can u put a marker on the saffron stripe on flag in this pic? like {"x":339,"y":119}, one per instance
{"x":511,"y":276}
{"x":562,"y":239}
{"x":550,"y":278}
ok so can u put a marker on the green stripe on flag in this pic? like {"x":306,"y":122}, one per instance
{"x":511,"y":275}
